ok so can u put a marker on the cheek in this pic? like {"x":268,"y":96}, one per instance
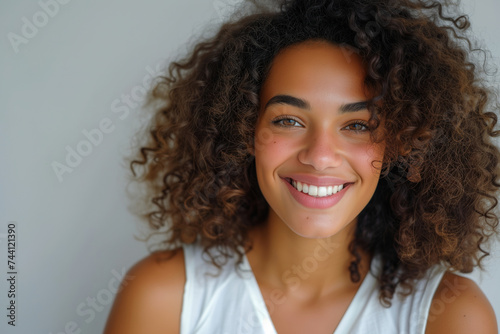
{"x":367,"y":160}
{"x":264,"y":139}
{"x":270,"y":149}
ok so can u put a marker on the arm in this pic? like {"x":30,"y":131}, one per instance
{"x":151,"y":300}
{"x":459,"y":306}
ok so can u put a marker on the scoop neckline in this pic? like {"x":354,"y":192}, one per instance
{"x":347,"y":318}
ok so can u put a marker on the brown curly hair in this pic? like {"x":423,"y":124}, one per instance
{"x":435,"y":202}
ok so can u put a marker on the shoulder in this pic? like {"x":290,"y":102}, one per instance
{"x":150,"y":299}
{"x":459,"y":306}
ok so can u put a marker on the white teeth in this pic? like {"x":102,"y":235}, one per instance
{"x":322,"y":191}
{"x":313,"y":190}
{"x":299,"y":186}
{"x":316,"y":191}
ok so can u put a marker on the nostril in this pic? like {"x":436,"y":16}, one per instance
{"x":320,"y":156}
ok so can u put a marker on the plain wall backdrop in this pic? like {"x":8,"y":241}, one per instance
{"x":68,"y":68}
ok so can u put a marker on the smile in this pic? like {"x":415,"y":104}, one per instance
{"x":316,"y":196}
{"x":314,"y":190}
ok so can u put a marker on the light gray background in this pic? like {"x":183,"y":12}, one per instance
{"x":73,"y":74}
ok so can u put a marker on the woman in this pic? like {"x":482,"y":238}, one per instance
{"x":320,"y":168}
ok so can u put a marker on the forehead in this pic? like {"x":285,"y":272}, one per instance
{"x":337,"y":53}
{"x":314,"y":68}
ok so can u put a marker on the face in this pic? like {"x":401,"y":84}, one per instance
{"x":316,"y":164}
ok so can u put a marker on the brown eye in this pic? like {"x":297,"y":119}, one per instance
{"x":357,"y":127}
{"x":286,"y":122}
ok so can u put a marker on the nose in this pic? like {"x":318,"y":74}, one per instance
{"x":321,"y":151}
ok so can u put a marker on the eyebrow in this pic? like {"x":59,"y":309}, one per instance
{"x":302,"y":104}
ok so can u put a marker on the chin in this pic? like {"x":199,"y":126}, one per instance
{"x":318,"y":230}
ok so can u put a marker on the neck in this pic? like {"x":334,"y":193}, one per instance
{"x":282,"y":259}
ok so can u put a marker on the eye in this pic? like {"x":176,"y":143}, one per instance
{"x":357,"y":126}
{"x":286,"y":122}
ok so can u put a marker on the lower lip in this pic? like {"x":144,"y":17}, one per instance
{"x":316,"y":202}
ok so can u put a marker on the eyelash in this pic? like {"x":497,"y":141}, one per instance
{"x":362,"y":123}
{"x":278,"y":122}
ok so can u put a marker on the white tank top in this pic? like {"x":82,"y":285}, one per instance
{"x":231,"y":303}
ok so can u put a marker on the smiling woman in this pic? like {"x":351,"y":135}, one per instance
{"x":321,"y":166}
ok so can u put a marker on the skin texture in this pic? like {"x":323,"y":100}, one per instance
{"x":459,"y":306}
{"x":319,"y":141}
{"x":151,"y":301}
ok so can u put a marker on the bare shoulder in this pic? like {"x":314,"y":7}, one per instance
{"x":150,"y":299}
{"x":459,"y":306}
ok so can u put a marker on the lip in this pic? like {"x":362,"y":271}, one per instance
{"x":316,"y":202}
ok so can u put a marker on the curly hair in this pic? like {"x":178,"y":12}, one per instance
{"x":436,"y":200}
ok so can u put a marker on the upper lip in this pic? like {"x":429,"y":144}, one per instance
{"x":316,"y":180}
